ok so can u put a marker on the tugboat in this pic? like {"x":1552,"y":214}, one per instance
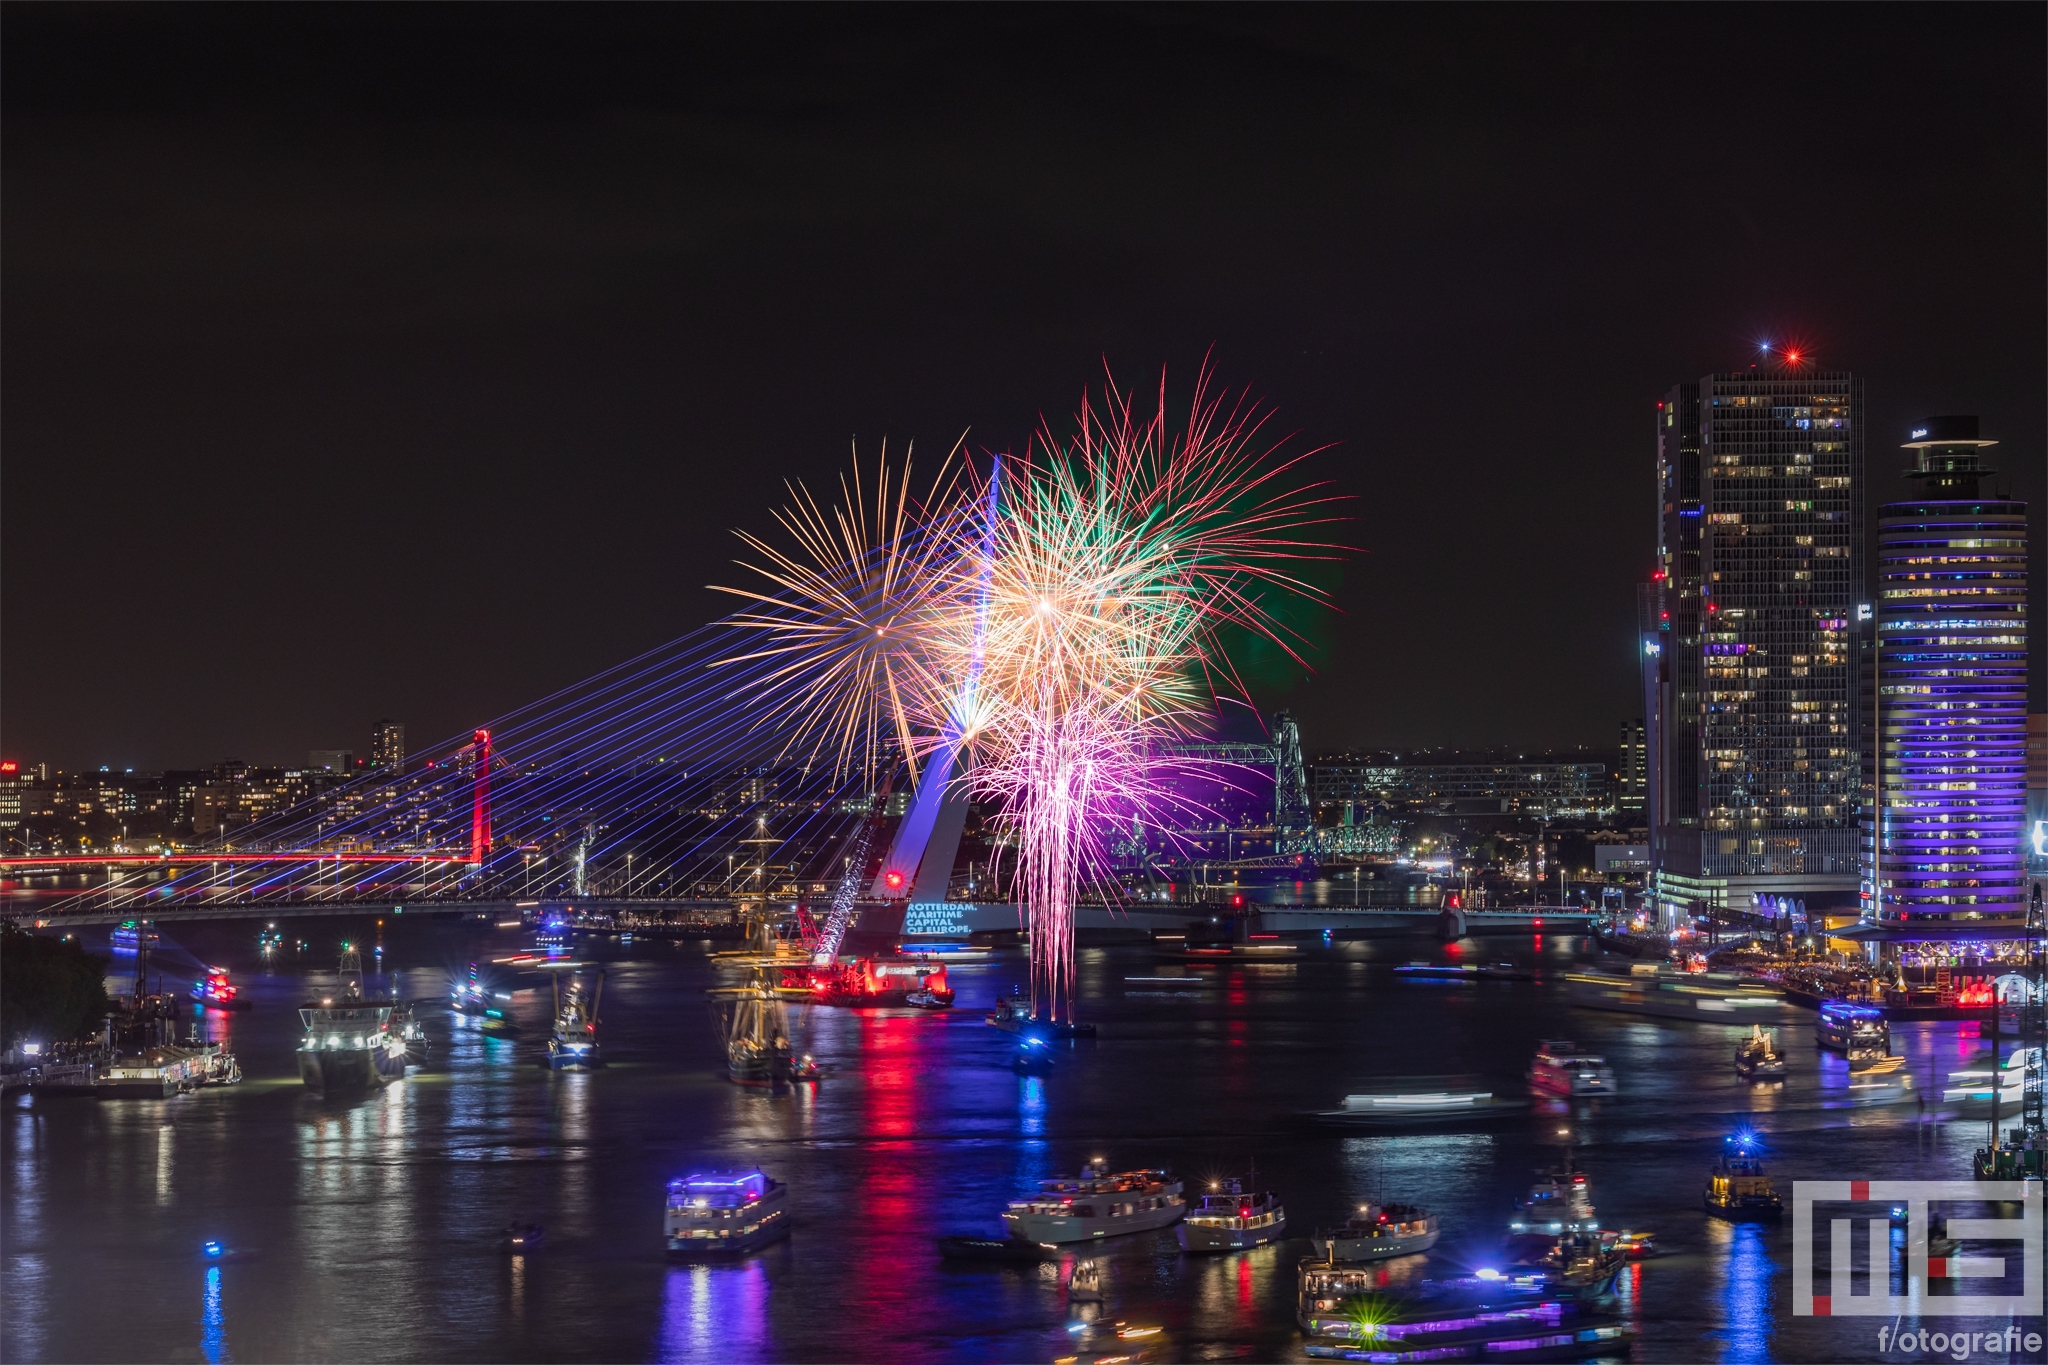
{"x":934,"y":994}
{"x":1561,"y":1069}
{"x":349,"y":1044}
{"x":216,"y":992}
{"x":725,"y":1213}
{"x":1096,"y":1204}
{"x":1228,"y":1219}
{"x":1379,"y":1232}
{"x":1739,"y":1189}
{"x":573,"y":1046}
{"x":1758,"y":1059}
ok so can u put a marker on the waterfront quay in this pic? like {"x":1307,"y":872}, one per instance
{"x":373,"y":1228}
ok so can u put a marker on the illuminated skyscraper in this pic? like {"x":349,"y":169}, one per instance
{"x":1951,"y":675}
{"x":387,"y":744}
{"x":1756,"y":743}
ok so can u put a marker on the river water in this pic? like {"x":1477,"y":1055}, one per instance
{"x":370,"y":1228}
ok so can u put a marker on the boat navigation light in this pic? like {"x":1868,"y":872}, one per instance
{"x":214,"y":1248}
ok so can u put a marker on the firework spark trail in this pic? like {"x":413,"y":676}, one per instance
{"x":1065,"y":650}
{"x":1122,"y":554}
{"x":846,"y":610}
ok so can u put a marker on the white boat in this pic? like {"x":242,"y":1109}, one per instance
{"x":1096,"y":1204}
{"x":725,"y":1213}
{"x":1561,"y":1202}
{"x":350,"y":1043}
{"x":1228,"y":1219}
{"x":1379,"y":1232}
{"x":1561,"y":1069}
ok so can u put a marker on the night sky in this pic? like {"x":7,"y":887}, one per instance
{"x":415,"y":361}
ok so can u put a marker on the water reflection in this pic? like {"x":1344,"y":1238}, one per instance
{"x":714,"y":1313}
{"x":1746,"y":1269}
{"x":1031,"y":1106}
{"x":213,"y":1330}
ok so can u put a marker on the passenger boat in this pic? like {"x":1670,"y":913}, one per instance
{"x":573,"y":1045}
{"x":1487,"y":1316}
{"x":216,"y":992}
{"x":1559,"y":1202}
{"x":1858,"y":1032}
{"x":349,"y":1044}
{"x":1758,"y":1058}
{"x":725,"y":1213}
{"x":1703,"y":998}
{"x":1440,"y":1102}
{"x":1740,"y":1190}
{"x":1096,"y":1204}
{"x":1228,"y":1219}
{"x":1379,"y":1232}
{"x":160,"y":1073}
{"x":1561,"y":1069}
{"x":134,"y":933}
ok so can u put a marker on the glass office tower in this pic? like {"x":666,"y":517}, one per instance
{"x":1951,"y":680}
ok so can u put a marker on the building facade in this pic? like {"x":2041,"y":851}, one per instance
{"x":1749,"y":660}
{"x":1947,"y":844}
{"x":387,"y":745}
{"x":1632,"y":778}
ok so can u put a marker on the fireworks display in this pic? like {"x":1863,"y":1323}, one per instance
{"x":1064,"y":626}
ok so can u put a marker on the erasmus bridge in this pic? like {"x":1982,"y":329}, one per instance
{"x":660,"y":787}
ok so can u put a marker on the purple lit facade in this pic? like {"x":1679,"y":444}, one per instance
{"x":1951,"y":666}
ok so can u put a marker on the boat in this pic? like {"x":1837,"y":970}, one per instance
{"x":471,"y":996}
{"x":1086,"y":1284}
{"x":1013,"y":1014}
{"x":1006,"y":1249}
{"x":1558,"y":1203}
{"x":1740,"y":1190}
{"x":1228,"y":1219}
{"x":1758,"y":1058}
{"x":215,"y":992}
{"x":411,"y":1031}
{"x":524,"y":1237}
{"x":1033,"y":1057}
{"x":134,"y":933}
{"x":269,"y":941}
{"x":725,"y":1213}
{"x":159,"y":1073}
{"x":498,"y":1024}
{"x":928,"y":999}
{"x":349,"y":1044}
{"x":1561,"y":1069}
{"x":1442,"y":1102}
{"x":1379,"y":1232}
{"x":1702,"y":998}
{"x":1096,"y":1204}
{"x":1858,"y":1032}
{"x":756,"y":1030}
{"x":573,"y":1045}
{"x":1522,"y":1316}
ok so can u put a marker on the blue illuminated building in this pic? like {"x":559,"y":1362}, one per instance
{"x":1951,"y":675}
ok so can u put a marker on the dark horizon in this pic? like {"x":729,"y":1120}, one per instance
{"x":416,"y":362}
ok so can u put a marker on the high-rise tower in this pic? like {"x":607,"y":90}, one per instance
{"x":387,"y":745}
{"x":1951,"y":684}
{"x":1759,"y":573}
